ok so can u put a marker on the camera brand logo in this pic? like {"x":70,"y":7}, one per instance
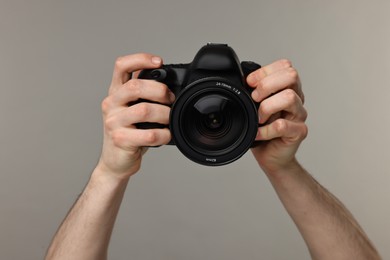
{"x":211,"y":160}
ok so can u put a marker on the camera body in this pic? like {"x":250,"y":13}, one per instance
{"x":213,"y":120}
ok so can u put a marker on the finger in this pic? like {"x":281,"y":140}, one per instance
{"x":265,"y":71}
{"x":276,"y":82}
{"x":128,"y":138}
{"x":288,"y":131}
{"x":130,"y":63}
{"x":134,"y":90}
{"x":138,"y":113}
{"x":286,"y":101}
{"x":136,"y":74}
{"x":144,"y":89}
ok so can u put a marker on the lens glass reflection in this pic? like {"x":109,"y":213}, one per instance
{"x":213,"y":123}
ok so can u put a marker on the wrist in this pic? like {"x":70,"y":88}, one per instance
{"x":281,"y":172}
{"x":116,"y":170}
{"x":104,"y":176}
{"x":277,"y":168}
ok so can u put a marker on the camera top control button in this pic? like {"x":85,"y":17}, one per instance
{"x":155,"y":74}
{"x":158,"y":74}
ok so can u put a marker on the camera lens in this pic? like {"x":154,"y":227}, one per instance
{"x":212,"y":122}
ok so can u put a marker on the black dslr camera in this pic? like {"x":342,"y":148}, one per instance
{"x":214,"y":120}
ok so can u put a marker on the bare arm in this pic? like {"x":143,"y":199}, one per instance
{"x":86,"y":231}
{"x":329,"y":230}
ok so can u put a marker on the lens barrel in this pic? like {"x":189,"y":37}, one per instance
{"x":213,"y":122}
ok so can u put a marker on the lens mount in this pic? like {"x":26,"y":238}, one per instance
{"x":213,"y":122}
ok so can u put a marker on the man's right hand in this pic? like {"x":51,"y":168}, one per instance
{"x":124,"y":144}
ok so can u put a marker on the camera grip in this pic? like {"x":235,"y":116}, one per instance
{"x":157,"y":75}
{"x":248,"y":67}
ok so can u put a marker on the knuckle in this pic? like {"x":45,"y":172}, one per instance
{"x":301,"y":134}
{"x":150,"y":137}
{"x":262,"y":85}
{"x":109,"y":123}
{"x":293,"y":74}
{"x":105,"y":105}
{"x":304,"y":131}
{"x":134,"y":86}
{"x":290,"y":95}
{"x":286,"y":63}
{"x":118,"y":138}
{"x":142,"y":110}
{"x":280,"y":126}
{"x":120,"y":62}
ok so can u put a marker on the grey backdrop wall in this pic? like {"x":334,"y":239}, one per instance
{"x":55,"y":66}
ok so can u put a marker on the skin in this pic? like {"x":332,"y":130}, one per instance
{"x":327,"y":227}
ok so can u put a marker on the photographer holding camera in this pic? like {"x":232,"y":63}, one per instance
{"x":327,"y":227}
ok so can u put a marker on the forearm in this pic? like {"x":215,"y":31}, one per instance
{"x":328,"y":228}
{"x":86,"y":231}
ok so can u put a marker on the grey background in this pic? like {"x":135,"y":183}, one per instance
{"x":55,"y":67}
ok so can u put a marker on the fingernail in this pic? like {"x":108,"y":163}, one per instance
{"x":172,"y":97}
{"x":251,"y":79}
{"x":258,"y":135}
{"x":156,"y":60}
{"x":255,"y":95}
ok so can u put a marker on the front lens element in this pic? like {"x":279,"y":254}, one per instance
{"x":213,"y":123}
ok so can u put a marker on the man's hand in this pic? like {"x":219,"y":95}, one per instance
{"x":278,"y":88}
{"x":124,"y":144}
